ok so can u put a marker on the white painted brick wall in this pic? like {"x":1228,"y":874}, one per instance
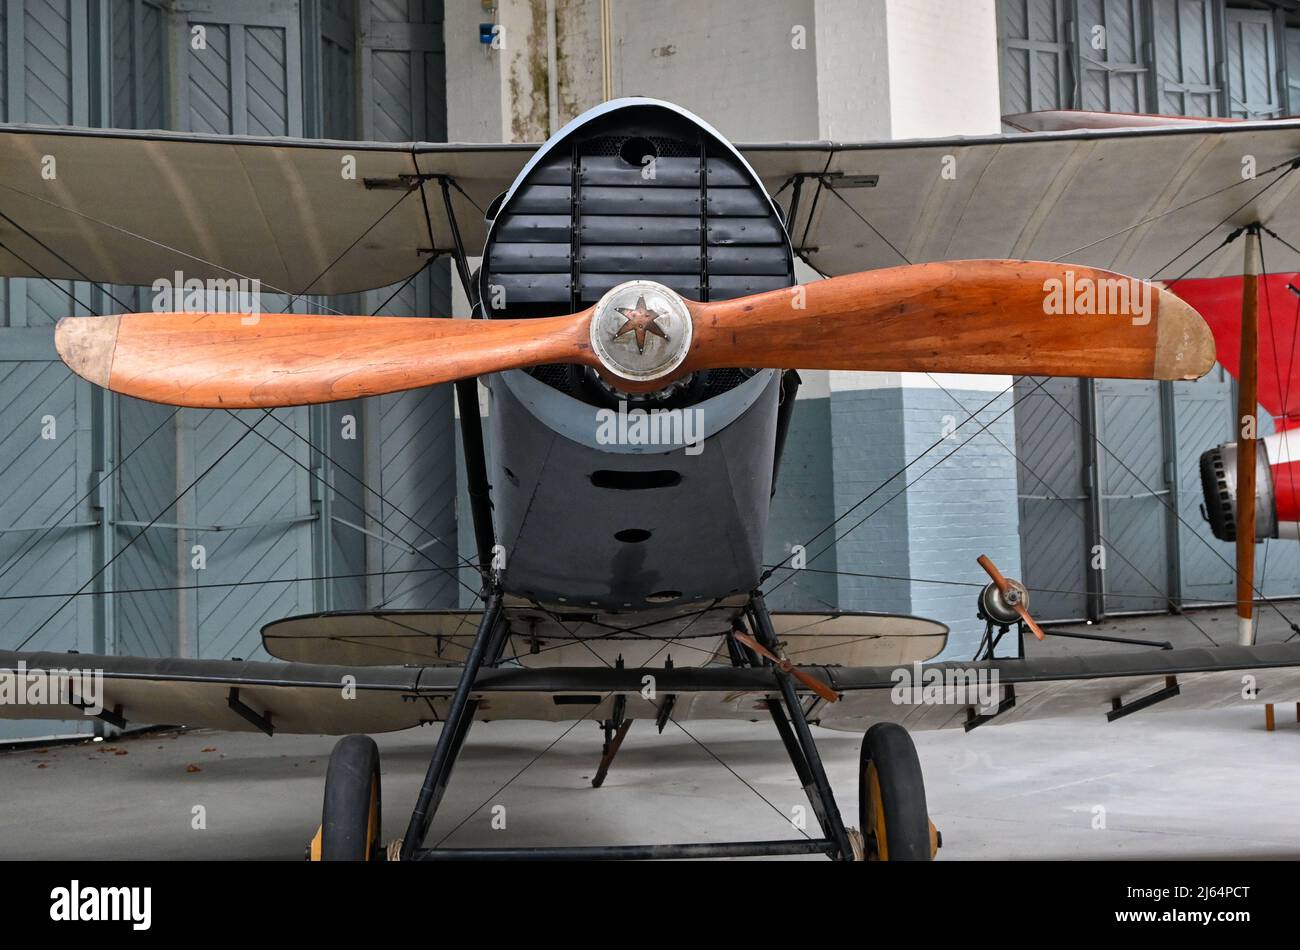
{"x":729,"y":61}
{"x":474,"y":98}
{"x":943,"y":68}
{"x":853,"y":70}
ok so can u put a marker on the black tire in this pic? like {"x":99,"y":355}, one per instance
{"x":350,"y":819}
{"x":889,"y":753}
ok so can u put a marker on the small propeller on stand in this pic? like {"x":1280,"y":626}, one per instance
{"x":1005,"y":601}
{"x":785,"y":666}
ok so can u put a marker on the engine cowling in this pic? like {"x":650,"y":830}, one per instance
{"x":1277,"y":488}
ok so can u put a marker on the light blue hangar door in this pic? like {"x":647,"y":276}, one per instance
{"x":409,"y":438}
{"x":1112,"y":55}
{"x":1090,"y":494}
{"x":357,"y":499}
{"x":144,"y":618}
{"x":1256,"y":82}
{"x":1035,"y":47}
{"x":52,"y":534}
{"x":182,"y":532}
{"x":236,"y":68}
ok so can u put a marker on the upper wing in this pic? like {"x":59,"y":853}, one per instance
{"x":1128,"y":199}
{"x":130,"y":207}
{"x":316,"y":699}
{"x":1073,"y":120}
{"x":1218,"y":301}
{"x":301,"y":216}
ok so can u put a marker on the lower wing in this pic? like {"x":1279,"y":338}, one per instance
{"x":335,"y":699}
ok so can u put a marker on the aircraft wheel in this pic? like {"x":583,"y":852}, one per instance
{"x":350,"y":819}
{"x":891,"y":797}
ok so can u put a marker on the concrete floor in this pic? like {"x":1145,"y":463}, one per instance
{"x":1167,"y":785}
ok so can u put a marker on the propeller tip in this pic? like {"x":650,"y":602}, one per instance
{"x":86,"y":345}
{"x":1184,"y":344}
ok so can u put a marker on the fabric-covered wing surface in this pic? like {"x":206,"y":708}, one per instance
{"x":1218,"y":301}
{"x":296,"y":697}
{"x":855,"y":638}
{"x":304,"y":698}
{"x":442,"y":637}
{"x":300,"y":216}
{"x":1114,"y":198}
{"x":1072,"y":120}
{"x":283,"y":211}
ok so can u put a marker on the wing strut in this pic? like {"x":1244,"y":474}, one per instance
{"x":471,"y":420}
{"x":1248,"y":436}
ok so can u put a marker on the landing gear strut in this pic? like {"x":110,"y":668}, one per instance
{"x":892,"y":794}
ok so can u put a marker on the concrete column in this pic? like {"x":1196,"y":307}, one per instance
{"x":909,"y":69}
{"x":476,"y":104}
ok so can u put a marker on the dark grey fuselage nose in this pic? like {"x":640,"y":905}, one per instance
{"x":617,"y":501}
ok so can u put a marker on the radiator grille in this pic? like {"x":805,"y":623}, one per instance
{"x":633,"y":196}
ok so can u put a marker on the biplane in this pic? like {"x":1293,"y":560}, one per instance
{"x":638,"y":266}
{"x":1218,"y":299}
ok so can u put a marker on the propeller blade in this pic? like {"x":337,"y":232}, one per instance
{"x":812,"y":682}
{"x":241,"y":361}
{"x":1029,"y":621}
{"x":1003,"y":317}
{"x":1009,"y":594}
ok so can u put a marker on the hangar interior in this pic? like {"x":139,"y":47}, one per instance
{"x":233,"y":533}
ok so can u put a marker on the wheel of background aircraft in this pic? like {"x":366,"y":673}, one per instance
{"x":891,"y":797}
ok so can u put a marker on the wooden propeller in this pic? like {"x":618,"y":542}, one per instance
{"x":1009,"y":594}
{"x":1005,"y":317}
{"x":785,"y":666}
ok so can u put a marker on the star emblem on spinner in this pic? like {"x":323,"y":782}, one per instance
{"x":641,"y":330}
{"x":640,"y":321}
